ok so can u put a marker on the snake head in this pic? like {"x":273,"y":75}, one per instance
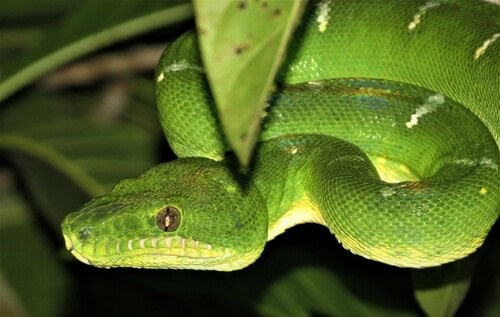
{"x":191,"y":213}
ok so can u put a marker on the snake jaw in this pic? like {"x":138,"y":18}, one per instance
{"x":69,"y":246}
{"x":172,"y":252}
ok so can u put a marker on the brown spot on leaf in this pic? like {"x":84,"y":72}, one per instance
{"x":277,"y":12}
{"x":242,"y":5}
{"x":264,"y":5}
{"x":241,"y":48}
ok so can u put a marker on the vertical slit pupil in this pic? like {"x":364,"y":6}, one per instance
{"x":168,"y":219}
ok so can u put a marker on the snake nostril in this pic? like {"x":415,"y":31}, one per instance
{"x":84,"y":234}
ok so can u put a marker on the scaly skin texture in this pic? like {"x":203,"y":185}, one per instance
{"x":384,"y":128}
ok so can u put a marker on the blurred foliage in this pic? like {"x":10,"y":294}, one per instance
{"x":63,"y":143}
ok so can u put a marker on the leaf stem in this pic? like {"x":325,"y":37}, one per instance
{"x":91,"y":43}
{"x":53,"y":158}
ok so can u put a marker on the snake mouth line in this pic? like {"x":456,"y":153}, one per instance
{"x":110,"y":253}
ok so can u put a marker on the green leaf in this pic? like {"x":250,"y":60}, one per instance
{"x":441,"y":290}
{"x":484,"y":293}
{"x":37,"y":281}
{"x":306,"y":291}
{"x":93,"y":25}
{"x":242,"y":45}
{"x":320,"y":278}
{"x":9,"y":303}
{"x":65,"y":158}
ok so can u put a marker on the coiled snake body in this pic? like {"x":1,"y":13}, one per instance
{"x":384,"y":128}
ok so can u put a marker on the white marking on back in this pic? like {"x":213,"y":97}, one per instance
{"x":487,"y":162}
{"x":182,"y":65}
{"x":421,"y":11}
{"x":323,"y":15}
{"x":387,"y":191}
{"x":429,"y":106}
{"x":118,"y":247}
{"x":481,"y":49}
{"x":160,"y":77}
{"x":466,"y":161}
{"x":315,"y":83}
{"x":129,"y":245}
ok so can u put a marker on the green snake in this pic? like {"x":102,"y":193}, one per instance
{"x":384,"y":127}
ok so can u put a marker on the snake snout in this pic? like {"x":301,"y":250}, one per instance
{"x":70,"y":246}
{"x":68,"y":242}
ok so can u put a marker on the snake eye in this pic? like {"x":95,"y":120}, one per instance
{"x":168,"y":218}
